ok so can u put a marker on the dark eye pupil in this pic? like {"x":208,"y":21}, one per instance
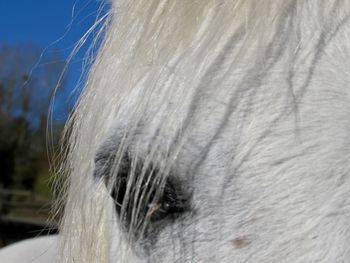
{"x":171,"y":202}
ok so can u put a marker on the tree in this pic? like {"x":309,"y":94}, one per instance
{"x":28,"y":80}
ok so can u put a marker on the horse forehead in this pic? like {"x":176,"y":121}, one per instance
{"x":193,"y":120}
{"x":249,"y":140}
{"x":250,"y":120}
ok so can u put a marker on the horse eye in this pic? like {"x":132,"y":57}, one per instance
{"x":152,"y":203}
{"x":145,"y":199}
{"x":171,"y":202}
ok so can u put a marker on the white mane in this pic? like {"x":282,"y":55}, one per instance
{"x":246,"y":103}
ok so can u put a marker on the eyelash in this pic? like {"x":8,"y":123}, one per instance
{"x":163,"y":201}
{"x":171,"y":202}
{"x":157,"y":205}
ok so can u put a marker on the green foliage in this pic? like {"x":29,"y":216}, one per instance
{"x":42,"y":186}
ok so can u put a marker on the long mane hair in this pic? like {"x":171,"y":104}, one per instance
{"x":161,"y":57}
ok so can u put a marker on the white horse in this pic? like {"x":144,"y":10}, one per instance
{"x":213,"y":131}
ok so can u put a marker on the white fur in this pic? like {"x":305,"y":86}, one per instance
{"x":247,"y":103}
{"x":36,"y":250}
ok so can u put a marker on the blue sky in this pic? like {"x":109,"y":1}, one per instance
{"x":49,"y":24}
